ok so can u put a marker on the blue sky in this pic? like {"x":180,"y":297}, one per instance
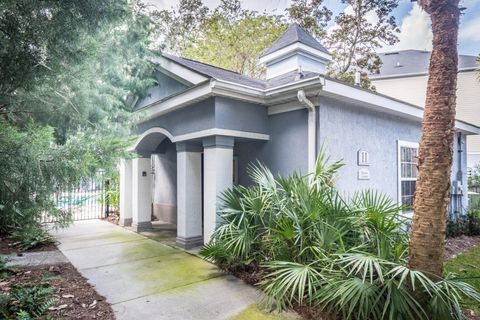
{"x":414,"y":23}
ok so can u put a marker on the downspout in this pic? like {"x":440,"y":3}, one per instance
{"x":312,"y":128}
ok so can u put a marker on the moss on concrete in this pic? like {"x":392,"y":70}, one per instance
{"x":253,"y":312}
{"x":170,"y":268}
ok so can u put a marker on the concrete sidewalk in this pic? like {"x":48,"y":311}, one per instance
{"x":144,"y":279}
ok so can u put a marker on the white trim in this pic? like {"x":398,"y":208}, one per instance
{"x":176,"y":102}
{"x":374,"y":78}
{"x":373,"y":100}
{"x":287,"y":92}
{"x":297,"y":46}
{"x":177,"y":69}
{"x":385,"y":103}
{"x":467,"y":127}
{"x":200,"y":134}
{"x":400,"y":144}
{"x":285,"y":107}
{"x":148,"y":132}
{"x":311,"y":128}
{"x":221,"y":132}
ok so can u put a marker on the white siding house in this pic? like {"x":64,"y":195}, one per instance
{"x":404,"y":76}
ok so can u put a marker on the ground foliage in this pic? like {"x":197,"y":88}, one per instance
{"x":55,"y":292}
{"x":69,"y":73}
{"x":466,"y":266}
{"x":346,"y":257}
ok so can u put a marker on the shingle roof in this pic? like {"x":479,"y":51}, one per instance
{"x":217,"y":72}
{"x":294,"y":33}
{"x":227,"y":75}
{"x":414,"y":62}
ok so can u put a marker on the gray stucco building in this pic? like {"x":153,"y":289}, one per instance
{"x":201,"y":126}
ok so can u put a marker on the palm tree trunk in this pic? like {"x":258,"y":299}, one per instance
{"x":436,"y":146}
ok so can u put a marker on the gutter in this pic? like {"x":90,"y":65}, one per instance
{"x":312,"y":128}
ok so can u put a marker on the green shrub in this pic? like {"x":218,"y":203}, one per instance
{"x":31,"y":237}
{"x":4,"y":270}
{"x":347,"y":257}
{"x":466,"y":225}
{"x":26,"y":302}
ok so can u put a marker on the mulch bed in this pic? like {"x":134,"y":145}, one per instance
{"x":455,"y":246}
{"x":74,"y":297}
{"x":112,"y":218}
{"x":9,"y":245}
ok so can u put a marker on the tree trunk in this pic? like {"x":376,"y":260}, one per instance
{"x":436,"y":146}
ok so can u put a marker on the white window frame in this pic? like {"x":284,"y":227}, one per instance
{"x":404,"y":144}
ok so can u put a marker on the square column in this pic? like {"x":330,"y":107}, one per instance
{"x":218,"y":176}
{"x":125,"y":192}
{"x":141,"y":194}
{"x":189,"y":195}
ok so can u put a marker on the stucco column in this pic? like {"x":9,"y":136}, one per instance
{"x":218,"y":176}
{"x":189,"y":195}
{"x":141,"y":194}
{"x":125,"y":192}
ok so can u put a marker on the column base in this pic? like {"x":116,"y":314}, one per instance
{"x":125,"y":222}
{"x":142,"y":226}
{"x":189,"y":243}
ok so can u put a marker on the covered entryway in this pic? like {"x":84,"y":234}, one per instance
{"x":148,"y":183}
{"x":176,"y":182}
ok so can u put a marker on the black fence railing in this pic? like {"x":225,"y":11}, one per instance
{"x":85,"y":201}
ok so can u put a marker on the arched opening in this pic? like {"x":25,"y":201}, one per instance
{"x":157,"y":149}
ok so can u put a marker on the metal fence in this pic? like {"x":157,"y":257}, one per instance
{"x":85,"y":201}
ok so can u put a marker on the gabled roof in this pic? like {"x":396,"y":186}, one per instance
{"x":293,"y":34}
{"x":412,"y":62}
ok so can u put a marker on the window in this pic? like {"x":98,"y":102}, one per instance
{"x":407,"y":171}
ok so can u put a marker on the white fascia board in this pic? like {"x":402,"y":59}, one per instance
{"x":180,"y":71}
{"x":467,"y":128}
{"x":301,"y":84}
{"x":390,"y":105}
{"x":176,"y":102}
{"x":237,"y":91}
{"x":297,"y":46}
{"x":415,"y":74}
{"x":374,"y":100}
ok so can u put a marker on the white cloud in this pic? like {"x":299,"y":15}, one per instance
{"x":469,"y":32}
{"x":415,"y":31}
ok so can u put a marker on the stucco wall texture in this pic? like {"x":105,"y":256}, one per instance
{"x":342,"y":128}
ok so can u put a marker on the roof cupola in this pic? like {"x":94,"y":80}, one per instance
{"x":294,"y":50}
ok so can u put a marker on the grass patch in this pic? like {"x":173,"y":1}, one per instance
{"x":467,"y":266}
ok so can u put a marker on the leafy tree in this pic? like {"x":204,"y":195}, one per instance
{"x":311,"y":15}
{"x":235,"y":41}
{"x":178,"y":27}
{"x":76,"y":80}
{"x":359,"y":31}
{"x":228,"y":36}
{"x":69,"y":70}
{"x":432,"y":193}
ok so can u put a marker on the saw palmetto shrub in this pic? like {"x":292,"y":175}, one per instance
{"x":344,"y":256}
